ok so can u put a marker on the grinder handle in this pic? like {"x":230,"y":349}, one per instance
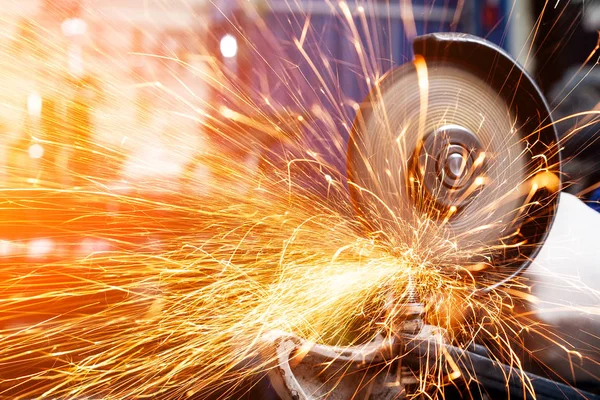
{"x":566,"y":272}
{"x":565,"y":282}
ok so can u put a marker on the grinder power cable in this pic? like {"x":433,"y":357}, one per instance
{"x":463,"y":138}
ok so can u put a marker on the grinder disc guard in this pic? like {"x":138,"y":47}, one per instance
{"x":450,"y":153}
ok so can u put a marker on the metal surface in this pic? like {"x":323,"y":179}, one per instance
{"x":386,"y":369}
{"x":307,"y":371}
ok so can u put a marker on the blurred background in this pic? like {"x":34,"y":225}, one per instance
{"x":120,"y":89}
{"x":126,"y":83}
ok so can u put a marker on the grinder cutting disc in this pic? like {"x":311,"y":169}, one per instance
{"x":456,"y":154}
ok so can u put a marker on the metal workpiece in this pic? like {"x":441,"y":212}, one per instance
{"x":302,"y":370}
{"x":306,"y":371}
{"x":377,"y":370}
{"x":393,"y":368}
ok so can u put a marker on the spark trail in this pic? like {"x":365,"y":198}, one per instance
{"x":198,"y":269}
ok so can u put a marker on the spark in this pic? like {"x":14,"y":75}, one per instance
{"x":175,"y":279}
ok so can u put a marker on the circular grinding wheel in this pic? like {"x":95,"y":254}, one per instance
{"x":454,"y":161}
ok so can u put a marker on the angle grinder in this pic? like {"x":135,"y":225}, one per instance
{"x":459,"y":144}
{"x":462,"y":139}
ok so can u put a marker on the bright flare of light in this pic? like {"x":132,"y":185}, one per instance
{"x":228,"y":112}
{"x":228,"y":46}
{"x":73,"y":27}
{"x":6,"y":247}
{"x":36,"y":151}
{"x":75,"y":60}
{"x":34,"y":105}
{"x":38,"y":248}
